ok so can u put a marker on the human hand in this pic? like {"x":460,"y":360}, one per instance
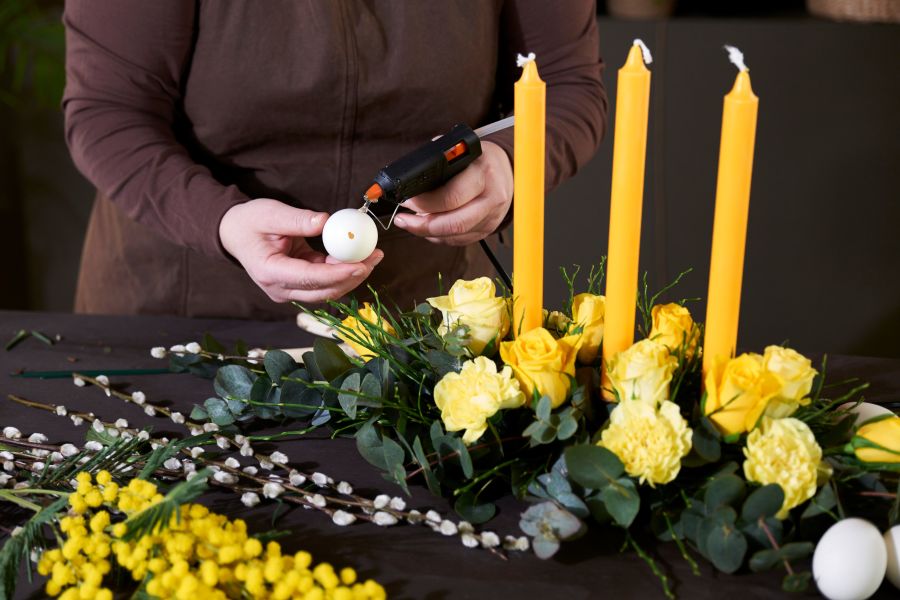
{"x":469,"y":207}
{"x":268,"y":238}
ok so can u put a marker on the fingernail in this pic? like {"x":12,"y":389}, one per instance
{"x":358,"y":273}
{"x":400,"y":221}
{"x":318,"y":219}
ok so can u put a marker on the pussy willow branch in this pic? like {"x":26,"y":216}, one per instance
{"x":357,"y":502}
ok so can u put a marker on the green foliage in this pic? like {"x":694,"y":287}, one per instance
{"x":15,"y":552}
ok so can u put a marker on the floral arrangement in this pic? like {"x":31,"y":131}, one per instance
{"x":113,"y":523}
{"x":745,"y":466}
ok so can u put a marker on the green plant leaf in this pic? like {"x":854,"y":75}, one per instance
{"x":234,"y":381}
{"x":544,"y":406}
{"x":278,"y":363}
{"x":764,"y":560}
{"x":468,"y":507}
{"x":723,"y":491}
{"x":370,"y":446}
{"x":622,"y":501}
{"x":568,"y":427}
{"x":266,"y":398}
{"x":348,"y":401}
{"x":218,"y":412}
{"x":762,"y":502}
{"x":821,"y":503}
{"x":726,"y":547}
{"x":796,"y":582}
{"x":371,"y":387}
{"x":465,"y":459}
{"x":434,"y":486}
{"x":330,"y":359}
{"x":592,"y":466}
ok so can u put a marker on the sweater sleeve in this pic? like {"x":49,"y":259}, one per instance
{"x":124,"y":65}
{"x":565,"y":40}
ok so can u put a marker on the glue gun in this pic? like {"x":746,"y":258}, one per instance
{"x":431,"y":165}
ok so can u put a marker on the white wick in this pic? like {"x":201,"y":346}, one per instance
{"x":736,"y":57}
{"x":648,"y":58}
{"x":521,"y":60}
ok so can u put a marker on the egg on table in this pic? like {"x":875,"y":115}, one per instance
{"x":892,"y":544}
{"x":850,"y":560}
{"x":350,"y":235}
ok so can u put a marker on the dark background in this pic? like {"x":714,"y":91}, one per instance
{"x":823,"y":246}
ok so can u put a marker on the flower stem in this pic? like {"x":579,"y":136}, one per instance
{"x":663,"y":578}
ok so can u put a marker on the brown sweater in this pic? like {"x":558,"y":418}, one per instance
{"x":177,"y":110}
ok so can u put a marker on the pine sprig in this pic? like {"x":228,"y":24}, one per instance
{"x":159,"y":515}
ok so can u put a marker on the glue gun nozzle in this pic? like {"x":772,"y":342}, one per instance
{"x":373,"y":193}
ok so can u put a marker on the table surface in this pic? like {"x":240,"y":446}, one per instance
{"x":411,"y":561}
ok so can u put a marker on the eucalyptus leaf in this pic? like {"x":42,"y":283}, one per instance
{"x":592,"y":466}
{"x":726,"y":547}
{"x":544,"y":406}
{"x":796,"y":582}
{"x":622,"y":501}
{"x":723,"y":491}
{"x":762,"y":502}
{"x":234,"y":381}
{"x":218,"y":412}
{"x":434,"y":486}
{"x":330,"y":359}
{"x":465,"y":459}
{"x":568,"y":427}
{"x":348,"y":401}
{"x":278,"y":363}
{"x":265,"y":398}
{"x":469,"y":508}
{"x":821,"y":503}
{"x":764,"y":560}
{"x":370,"y":446}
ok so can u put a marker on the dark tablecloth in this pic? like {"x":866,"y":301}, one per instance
{"x":411,"y":561}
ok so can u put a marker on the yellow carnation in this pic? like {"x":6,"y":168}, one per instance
{"x":369,"y":315}
{"x":674,"y":327}
{"x":469,"y":398}
{"x":542,"y":363}
{"x":738,"y":391}
{"x":642,"y":372}
{"x":878,"y":440}
{"x":589,"y":312}
{"x":784,"y":451}
{"x":649,"y":441}
{"x":474,"y":304}
{"x":796,"y":373}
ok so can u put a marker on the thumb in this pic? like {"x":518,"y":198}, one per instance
{"x":281,"y":219}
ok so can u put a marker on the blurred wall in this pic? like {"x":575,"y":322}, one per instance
{"x":822,"y":246}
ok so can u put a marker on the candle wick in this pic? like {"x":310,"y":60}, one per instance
{"x":522,"y":60}
{"x":645,"y":51}
{"x":736,"y":57}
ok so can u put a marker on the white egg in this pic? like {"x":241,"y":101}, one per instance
{"x":865,"y":411}
{"x":350,"y":235}
{"x":892,"y":544}
{"x":850,"y":560}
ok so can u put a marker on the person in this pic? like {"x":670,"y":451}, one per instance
{"x":220,"y":135}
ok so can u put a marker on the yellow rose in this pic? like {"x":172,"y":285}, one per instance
{"x":352,"y":323}
{"x":649,"y":441}
{"x":796,"y":373}
{"x":589,"y":311}
{"x":469,"y":398}
{"x":642,"y":372}
{"x":738,"y":391}
{"x":784,"y":451}
{"x":878,"y":440}
{"x":542,"y":363}
{"x":475,"y":305}
{"x":674,"y":327}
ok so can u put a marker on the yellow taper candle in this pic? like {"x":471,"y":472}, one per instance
{"x":726,"y":264}
{"x":626,"y":198}
{"x":528,"y":195}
